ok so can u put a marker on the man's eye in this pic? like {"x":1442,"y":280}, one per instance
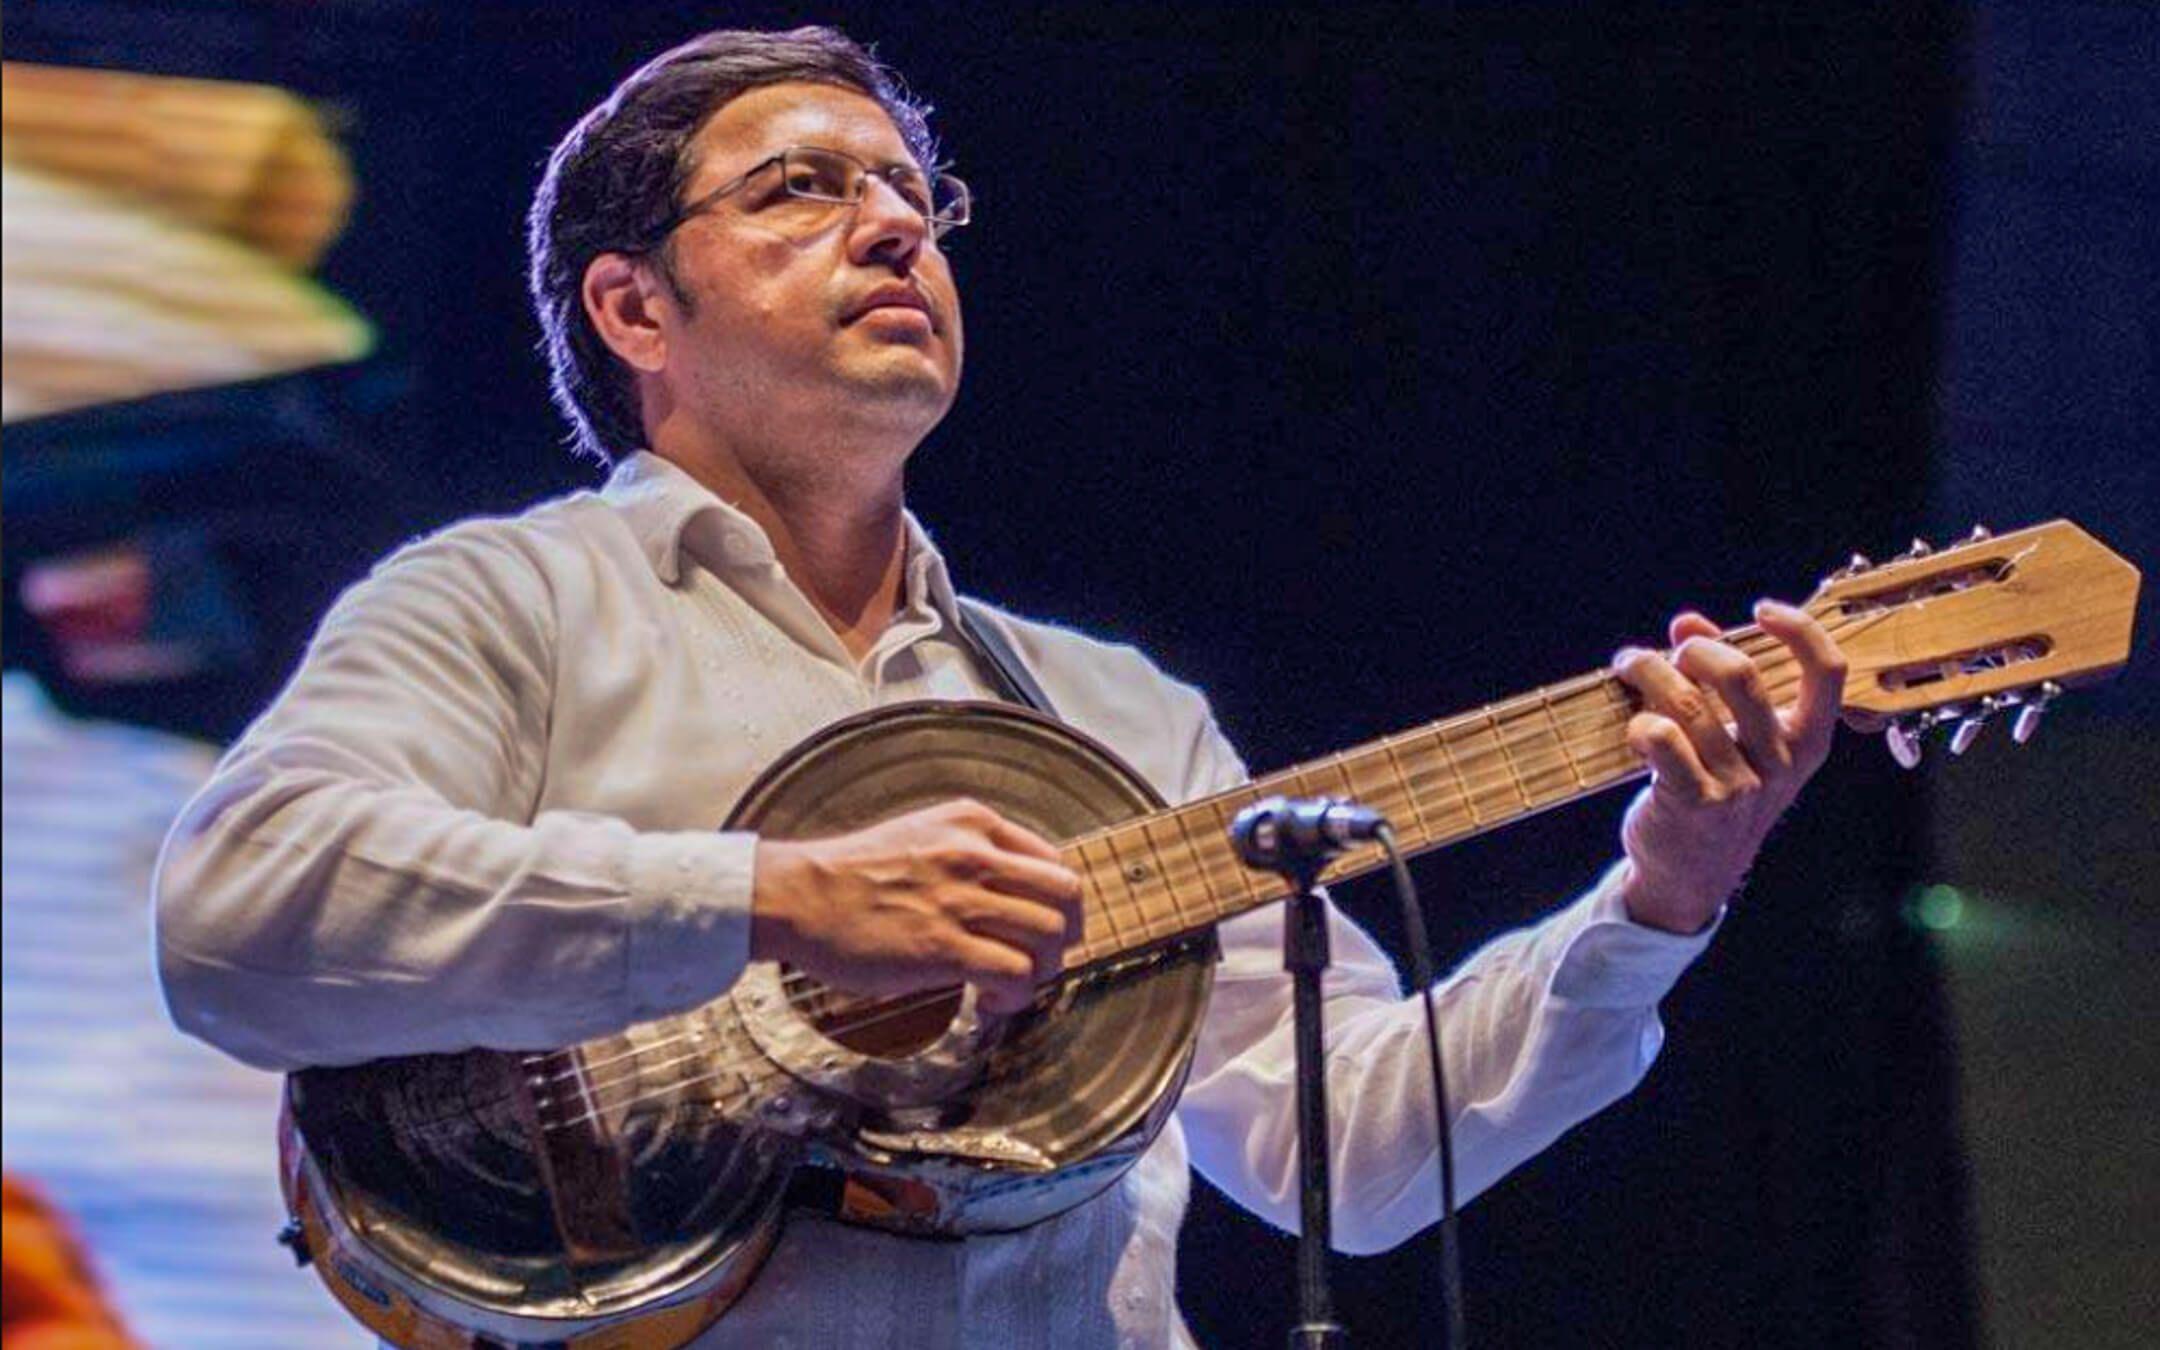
{"x":912,"y":189}
{"x":817,"y":180}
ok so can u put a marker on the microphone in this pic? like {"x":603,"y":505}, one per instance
{"x":1276,"y":832}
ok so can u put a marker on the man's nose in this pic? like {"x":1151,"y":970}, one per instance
{"x":888,"y":229}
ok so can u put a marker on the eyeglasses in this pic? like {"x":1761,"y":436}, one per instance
{"x":812,"y":181}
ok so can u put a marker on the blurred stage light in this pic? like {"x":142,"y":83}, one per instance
{"x":1937,"y":908}
{"x":158,"y":606}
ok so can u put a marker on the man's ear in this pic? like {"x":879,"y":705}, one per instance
{"x":625,"y":300}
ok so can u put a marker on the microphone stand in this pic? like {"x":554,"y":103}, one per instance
{"x":1294,"y":839}
{"x":1305,"y":956}
{"x":1298,"y":857}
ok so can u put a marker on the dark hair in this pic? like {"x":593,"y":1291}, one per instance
{"x":615,"y":179}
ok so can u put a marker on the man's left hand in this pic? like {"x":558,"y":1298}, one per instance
{"x":1717,"y":786}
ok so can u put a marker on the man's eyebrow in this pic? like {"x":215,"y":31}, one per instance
{"x":905,"y":161}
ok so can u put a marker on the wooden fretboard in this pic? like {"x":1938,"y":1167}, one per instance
{"x":1172,"y":872}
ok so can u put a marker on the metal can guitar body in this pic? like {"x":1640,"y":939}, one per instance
{"x":622,"y":1192}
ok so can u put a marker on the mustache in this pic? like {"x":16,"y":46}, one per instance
{"x":900,"y":293}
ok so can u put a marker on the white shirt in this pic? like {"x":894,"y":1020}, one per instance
{"x":485,"y":810}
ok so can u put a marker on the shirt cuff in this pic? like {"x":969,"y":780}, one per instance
{"x":1614,"y":962}
{"x":689,"y":918}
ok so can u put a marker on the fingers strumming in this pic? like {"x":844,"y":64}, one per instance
{"x":1005,"y":975}
{"x":1050,"y":882}
{"x":1020,"y":839}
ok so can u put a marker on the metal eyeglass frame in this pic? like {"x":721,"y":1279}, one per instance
{"x":938,"y":225}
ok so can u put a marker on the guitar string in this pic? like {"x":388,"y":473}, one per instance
{"x":597,"y":1090}
{"x":888,"y":1010}
{"x":1538,"y":700}
{"x":1505,"y":762}
{"x":1170,"y":878}
{"x":1775,"y":686}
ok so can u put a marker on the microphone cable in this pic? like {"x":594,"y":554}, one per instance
{"x":1453,"y":1335}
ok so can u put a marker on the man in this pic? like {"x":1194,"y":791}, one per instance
{"x":483,"y":813}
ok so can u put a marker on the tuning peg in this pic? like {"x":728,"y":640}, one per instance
{"x":1853,"y":567}
{"x":1920,"y":549}
{"x":1904,"y":744}
{"x":2028,"y":718}
{"x":1969,"y":730}
{"x":2028,"y":722}
{"x":1918,"y":726}
{"x":1979,"y":532}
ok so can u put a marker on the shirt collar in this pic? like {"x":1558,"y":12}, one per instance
{"x":661,"y":502}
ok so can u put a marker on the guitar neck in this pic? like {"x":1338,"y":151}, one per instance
{"x":1172,"y":872}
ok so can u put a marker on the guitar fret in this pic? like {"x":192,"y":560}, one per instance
{"x":1455,"y":767}
{"x":1125,"y":878}
{"x":1162,"y":873}
{"x":1545,"y":701}
{"x":1444,"y":797}
{"x":1423,"y":828}
{"x":1542,"y":782}
{"x":1500,"y":739}
{"x":1256,"y":886}
{"x":1248,"y":883}
{"x":1089,"y":879}
{"x":1523,"y":735}
{"x":1341,"y":769}
{"x":1607,"y":731}
{"x":1612,"y":757}
{"x":1387,"y":795}
{"x":1207,"y":874}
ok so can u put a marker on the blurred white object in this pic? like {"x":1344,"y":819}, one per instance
{"x":153,"y":233}
{"x":161,"y":1149}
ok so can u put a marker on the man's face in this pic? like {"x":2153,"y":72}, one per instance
{"x":819,"y":324}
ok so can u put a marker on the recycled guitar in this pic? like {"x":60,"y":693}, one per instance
{"x":623,"y":1192}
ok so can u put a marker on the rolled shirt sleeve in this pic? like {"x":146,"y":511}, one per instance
{"x":365,"y":874}
{"x":1539,"y":1030}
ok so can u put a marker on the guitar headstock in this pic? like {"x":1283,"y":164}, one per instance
{"x":1990,"y":623}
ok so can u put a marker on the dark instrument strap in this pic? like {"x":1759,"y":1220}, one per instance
{"x":996,"y":653}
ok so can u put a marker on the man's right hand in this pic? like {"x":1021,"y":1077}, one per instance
{"x":949,"y":894}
